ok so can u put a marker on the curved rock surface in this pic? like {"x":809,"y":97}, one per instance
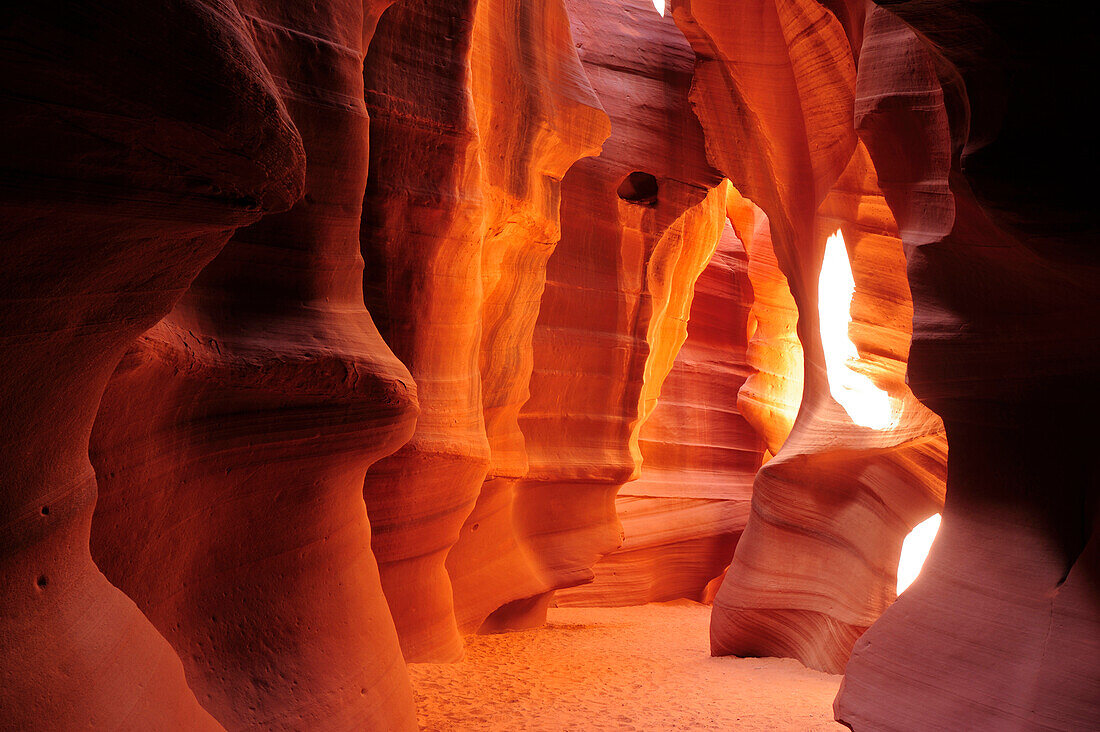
{"x":232,"y":441}
{"x":772,"y":89}
{"x":623,"y":276}
{"x":524,"y":56}
{"x":421,"y":240}
{"x":114,"y":199}
{"x":461,"y":215}
{"x":1003,"y":624}
{"x":704,"y":341}
{"x":681,"y":519}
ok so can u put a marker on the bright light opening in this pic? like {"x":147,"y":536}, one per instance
{"x":660,"y":5}
{"x":914,"y":550}
{"x":865,"y":403}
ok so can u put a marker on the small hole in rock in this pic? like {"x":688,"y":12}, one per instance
{"x":640,"y":188}
{"x":475,"y":527}
{"x":43,"y":580}
{"x":45,"y":510}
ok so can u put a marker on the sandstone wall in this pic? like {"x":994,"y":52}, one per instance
{"x":683,"y":515}
{"x":773,"y":89}
{"x":115,"y":197}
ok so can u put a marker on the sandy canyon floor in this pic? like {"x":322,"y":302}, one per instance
{"x":643,"y":668}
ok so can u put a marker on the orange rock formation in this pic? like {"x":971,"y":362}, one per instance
{"x":232,"y":441}
{"x":332,"y":332}
{"x":683,"y":515}
{"x":802,"y":583}
{"x":114,"y":199}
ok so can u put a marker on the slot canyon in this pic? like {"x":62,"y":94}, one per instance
{"x":548,"y":365}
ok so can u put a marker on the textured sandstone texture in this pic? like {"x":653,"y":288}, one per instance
{"x":114,"y":198}
{"x":682,"y":517}
{"x":235,"y":232}
{"x":614,"y":311}
{"x":232,"y":442}
{"x":461,"y":215}
{"x":523,"y":57}
{"x":772,"y":392}
{"x":1002,"y":628}
{"x":774,"y":89}
{"x":421,"y":241}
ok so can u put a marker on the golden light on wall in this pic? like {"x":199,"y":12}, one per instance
{"x":915,"y":549}
{"x":865,"y":403}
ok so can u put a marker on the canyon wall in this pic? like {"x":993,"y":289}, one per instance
{"x":1003,"y":625}
{"x":945,"y":100}
{"x":461,"y":217}
{"x":639,"y":223}
{"x":333,"y":332}
{"x":773,"y":89}
{"x":421,"y":240}
{"x":118,"y":188}
{"x":683,"y":515}
{"x":232,"y":441}
{"x":524,"y":57}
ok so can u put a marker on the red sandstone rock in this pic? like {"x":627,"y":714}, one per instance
{"x":1003,"y":625}
{"x":682,"y":517}
{"x":622,"y":275}
{"x":118,"y":188}
{"x":772,"y":89}
{"x":523,"y":56}
{"x":463,"y":193}
{"x":772,"y":392}
{"x":232,"y":442}
{"x":421,"y":239}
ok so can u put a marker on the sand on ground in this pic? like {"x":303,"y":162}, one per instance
{"x":645,"y":668}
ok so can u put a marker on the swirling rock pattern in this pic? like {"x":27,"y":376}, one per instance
{"x":114,"y":199}
{"x":523,"y":56}
{"x":233,"y":439}
{"x":421,"y":240}
{"x":1002,"y":627}
{"x":607,"y":244}
{"x":682,"y":517}
{"x":624,"y":274}
{"x":773,"y":89}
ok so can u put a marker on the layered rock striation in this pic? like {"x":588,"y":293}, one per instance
{"x":683,"y":515}
{"x":1003,"y":625}
{"x":118,"y":188}
{"x":773,"y":89}
{"x":639,"y":224}
{"x":525,"y":297}
{"x":232,"y":441}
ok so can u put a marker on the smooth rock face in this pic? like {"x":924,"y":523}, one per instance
{"x":771,"y":89}
{"x":421,"y":240}
{"x":523,"y":57}
{"x":461,"y":215}
{"x":650,"y":276}
{"x":682,"y":517}
{"x":232,"y":442}
{"x":771,"y":394}
{"x":623,"y":275}
{"x":1003,"y":625}
{"x":114,"y":199}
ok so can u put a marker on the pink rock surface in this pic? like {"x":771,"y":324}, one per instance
{"x":232,"y":442}
{"x":1002,"y":627}
{"x":772,"y":88}
{"x":114,"y":199}
{"x":682,"y":517}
